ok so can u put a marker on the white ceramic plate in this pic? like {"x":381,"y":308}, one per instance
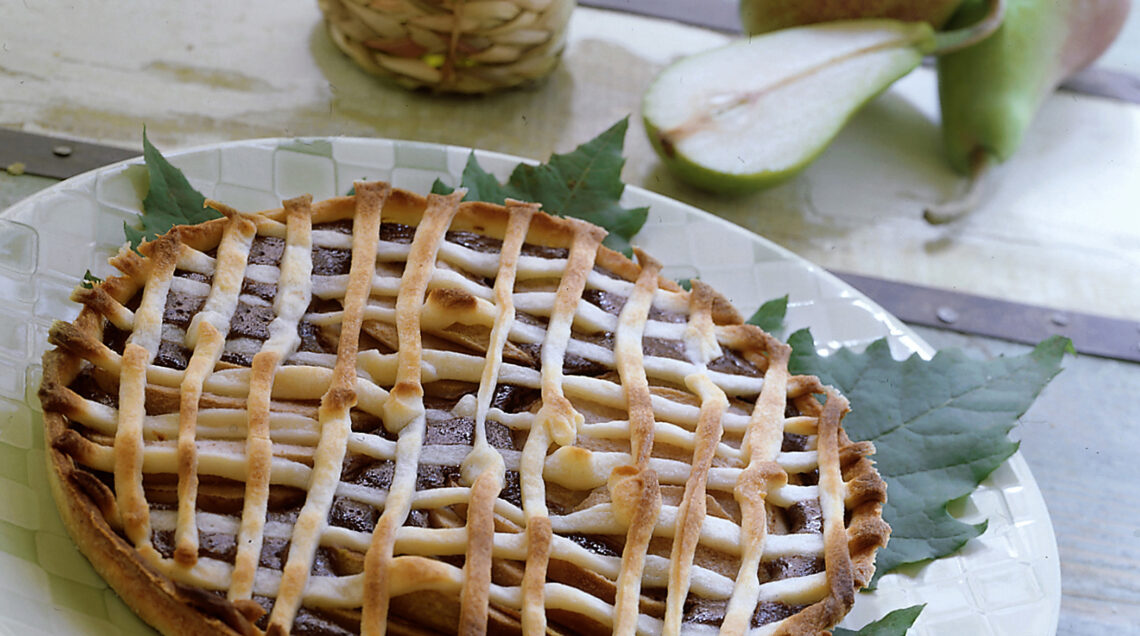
{"x":1005,"y":582}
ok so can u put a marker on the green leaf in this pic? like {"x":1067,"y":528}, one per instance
{"x":939,"y":427}
{"x":770,"y":315}
{"x":482,"y":185}
{"x":89,"y":280}
{"x":439,"y":187}
{"x":170,"y":199}
{"x":685,"y":283}
{"x":584,"y":184}
{"x":894,"y":624}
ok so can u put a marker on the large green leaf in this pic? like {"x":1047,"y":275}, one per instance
{"x":170,"y":199}
{"x":939,"y":427}
{"x":584,"y":184}
{"x":894,"y":624}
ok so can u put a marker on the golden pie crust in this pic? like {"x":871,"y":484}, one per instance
{"x":385,"y":412}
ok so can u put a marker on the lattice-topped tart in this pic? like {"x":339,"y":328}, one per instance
{"x":389,"y":413}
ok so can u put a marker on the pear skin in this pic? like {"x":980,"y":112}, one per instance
{"x":762,"y":16}
{"x":990,"y":92}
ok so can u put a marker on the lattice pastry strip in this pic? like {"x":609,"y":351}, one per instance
{"x":293,"y":296}
{"x":388,"y":413}
{"x":484,"y":468}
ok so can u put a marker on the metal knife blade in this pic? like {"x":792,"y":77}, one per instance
{"x":55,"y":157}
{"x":1016,"y":322}
{"x":720,"y":15}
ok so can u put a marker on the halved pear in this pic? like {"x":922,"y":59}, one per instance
{"x":754,"y":113}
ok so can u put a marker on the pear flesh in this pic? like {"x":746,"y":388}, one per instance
{"x":754,"y":113}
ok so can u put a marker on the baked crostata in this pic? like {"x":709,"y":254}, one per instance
{"x":385,"y":412}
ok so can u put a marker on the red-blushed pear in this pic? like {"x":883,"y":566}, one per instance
{"x":990,"y":92}
{"x":762,"y":16}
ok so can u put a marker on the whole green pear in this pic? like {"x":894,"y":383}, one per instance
{"x":762,"y":16}
{"x":990,"y":92}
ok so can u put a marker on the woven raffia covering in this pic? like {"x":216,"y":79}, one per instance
{"x":384,"y":412}
{"x":454,"y":46}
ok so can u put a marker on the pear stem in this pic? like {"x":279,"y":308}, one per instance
{"x":949,"y":211}
{"x":958,"y":39}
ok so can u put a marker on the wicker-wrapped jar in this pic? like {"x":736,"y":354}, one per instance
{"x":454,"y":46}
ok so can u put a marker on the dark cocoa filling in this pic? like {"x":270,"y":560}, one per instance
{"x":264,"y":291}
{"x":397,"y":232}
{"x":595,"y":543}
{"x":512,"y":489}
{"x":498,"y":435}
{"x":794,"y":443}
{"x":429,"y":476}
{"x":251,"y":321}
{"x":365,"y":471}
{"x":266,"y":250}
{"x":352,"y":514}
{"x":607,"y":302}
{"x":237,"y":358}
{"x":181,"y":308}
{"x":325,"y":563}
{"x":804,"y":516}
{"x":473,"y":241}
{"x":542,"y":251}
{"x":274,"y":552}
{"x":512,"y":398}
{"x":368,"y":423}
{"x":572,"y":363}
{"x":663,"y":348}
{"x":417,"y":519}
{"x":115,"y":338}
{"x":211,"y":545}
{"x":603,"y":339}
{"x":312,"y":340}
{"x":732,"y":363}
{"x":706,"y":612}
{"x":770,"y":612}
{"x":163,"y":541}
{"x":86,"y":386}
{"x":329,"y":261}
{"x":789,"y":568}
{"x":172,"y":355}
{"x":459,"y":431}
{"x":217,"y":545}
